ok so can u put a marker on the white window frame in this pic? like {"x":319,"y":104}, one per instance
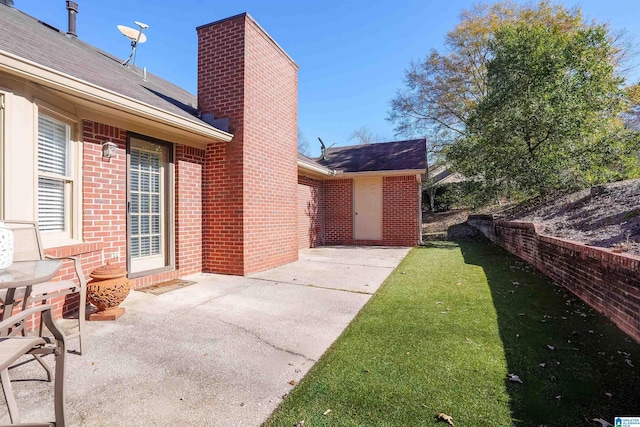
{"x":73,"y":180}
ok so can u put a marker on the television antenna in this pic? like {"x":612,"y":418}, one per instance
{"x":136,"y":37}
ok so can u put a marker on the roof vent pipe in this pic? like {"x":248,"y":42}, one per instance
{"x":72,"y":7}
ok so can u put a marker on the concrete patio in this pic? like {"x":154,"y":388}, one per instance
{"x":221,"y":352}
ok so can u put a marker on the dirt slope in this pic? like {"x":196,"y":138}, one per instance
{"x":606,"y":216}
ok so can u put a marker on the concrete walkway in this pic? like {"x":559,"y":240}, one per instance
{"x":221,"y":352}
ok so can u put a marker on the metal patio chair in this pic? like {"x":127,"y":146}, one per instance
{"x":13,"y":346}
{"x":28,"y":247}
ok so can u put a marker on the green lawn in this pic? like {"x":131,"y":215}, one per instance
{"x":443,"y":332}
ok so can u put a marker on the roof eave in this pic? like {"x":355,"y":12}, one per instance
{"x":63,"y":82}
{"x":316,"y":169}
{"x":398,"y":172}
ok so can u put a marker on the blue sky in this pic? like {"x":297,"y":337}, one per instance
{"x":352,"y":53}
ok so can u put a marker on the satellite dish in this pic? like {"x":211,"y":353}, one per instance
{"x":136,"y":37}
{"x":132,"y":34}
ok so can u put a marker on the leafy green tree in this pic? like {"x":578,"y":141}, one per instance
{"x":442,"y":90}
{"x":550,"y":117}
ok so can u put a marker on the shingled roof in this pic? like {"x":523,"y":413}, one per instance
{"x":26,"y":37}
{"x":382,"y":156}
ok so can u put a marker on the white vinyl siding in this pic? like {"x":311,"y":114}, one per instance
{"x":55,"y":181}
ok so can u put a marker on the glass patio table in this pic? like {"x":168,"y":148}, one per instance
{"x":25,"y":274}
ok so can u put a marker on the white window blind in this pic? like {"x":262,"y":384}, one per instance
{"x":53,"y":174}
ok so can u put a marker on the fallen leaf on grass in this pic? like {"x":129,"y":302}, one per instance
{"x":550,"y":347}
{"x":608,"y":394}
{"x":292,"y":382}
{"x":327,"y":412}
{"x":515,"y":378}
{"x":602,"y":422}
{"x":299,"y":423}
{"x":438,"y":302}
{"x":445,"y":418}
{"x":542,"y":365}
{"x":558,"y":397}
{"x":629,"y":363}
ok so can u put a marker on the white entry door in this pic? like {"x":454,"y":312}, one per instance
{"x":147,"y":206}
{"x":367,"y":209}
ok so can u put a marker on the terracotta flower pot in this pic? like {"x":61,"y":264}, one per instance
{"x":107,"y":289}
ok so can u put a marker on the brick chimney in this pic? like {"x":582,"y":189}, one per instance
{"x":250,"y":184}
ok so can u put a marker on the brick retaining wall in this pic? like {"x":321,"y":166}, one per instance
{"x":607,"y":281}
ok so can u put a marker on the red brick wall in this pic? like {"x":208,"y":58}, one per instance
{"x":104,"y":189}
{"x":311,"y":212}
{"x":250,"y":216}
{"x":270,"y":153}
{"x":400,"y":209}
{"x":339,"y":212}
{"x":105,"y":199}
{"x":399,"y":212}
{"x":103,"y":210}
{"x":189,"y":164}
{"x":609,"y":282}
{"x":104,"y":222}
{"x":221,"y":92}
